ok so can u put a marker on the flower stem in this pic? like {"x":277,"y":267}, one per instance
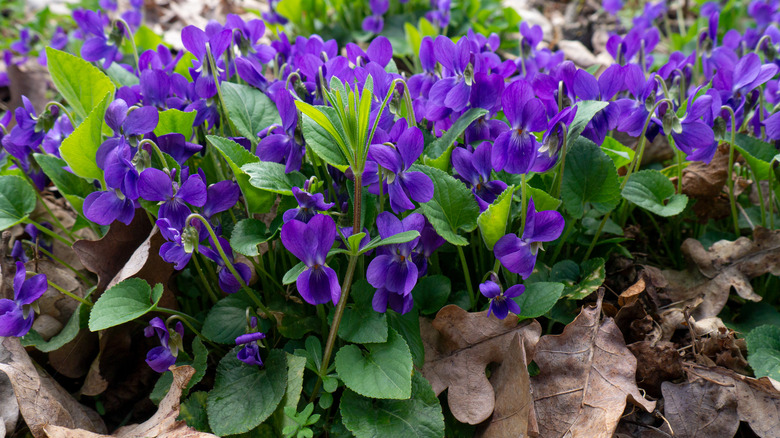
{"x":132,"y":43}
{"x":730,"y":178}
{"x":334,"y":327}
{"x":45,"y":252}
{"x":63,"y":109}
{"x":49,"y":232}
{"x":160,"y":156}
{"x":203,"y":280}
{"x":187,"y":319}
{"x":67,"y":293}
{"x":469,"y":287}
{"x":228,"y":263}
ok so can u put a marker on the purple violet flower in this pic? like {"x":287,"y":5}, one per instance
{"x":309,"y":204}
{"x":16,"y":317}
{"x":501,"y":302}
{"x":403,"y":185}
{"x":516,"y":149}
{"x":227,"y":281}
{"x":374,"y":23}
{"x":250,"y":353}
{"x":474,"y":169}
{"x":518,"y":254}
{"x":310,"y":242}
{"x":282,"y":145}
{"x":393,"y":271}
{"x":454,"y":89}
{"x":163,"y":357}
{"x":156,"y":185}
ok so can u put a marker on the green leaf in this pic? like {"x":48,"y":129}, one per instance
{"x":384,"y":371}
{"x":124,"y":302}
{"x":538,"y":299}
{"x":493,"y":221}
{"x":17,"y":200}
{"x":323,"y":140}
{"x":651,"y":190}
{"x":408,"y":325}
{"x":292,"y":394}
{"x":589,"y":177}
{"x":580,"y":281}
{"x":147,"y":39}
{"x":270,"y":176}
{"x":77,"y":321}
{"x":121,"y":77}
{"x":82,"y":84}
{"x":406,"y":236}
{"x":420,"y":416}
{"x":193,"y":411}
{"x":442,"y":144}
{"x":245,"y":395}
{"x":292,"y":275}
{"x":431,"y":293}
{"x":227,"y":319}
{"x":259,"y":201}
{"x":413,"y":38}
{"x":452,"y":208}
{"x":175,"y":121}
{"x":585,"y":112}
{"x":763,"y":345}
{"x":542,"y":200}
{"x":620,"y":155}
{"x":248,"y":235}
{"x":79,"y":149}
{"x":360,"y":323}
{"x":757,"y":153}
{"x":249,"y":110}
{"x":74,"y":188}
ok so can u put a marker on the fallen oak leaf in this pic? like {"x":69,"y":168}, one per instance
{"x":586,"y":375}
{"x":513,"y":396}
{"x":758,"y":400}
{"x":163,"y":423}
{"x":700,"y":408}
{"x":458,"y":346}
{"x":106,"y":256}
{"x":42,"y":401}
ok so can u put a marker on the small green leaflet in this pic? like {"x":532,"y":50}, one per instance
{"x":124,"y":302}
{"x":654,"y":192}
{"x":17,"y":200}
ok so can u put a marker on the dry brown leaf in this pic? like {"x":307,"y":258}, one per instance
{"x":700,"y":408}
{"x":630,"y":295}
{"x":42,"y":401}
{"x":107,"y":256}
{"x":705,"y":287}
{"x":587,"y":373}
{"x":656,"y":363}
{"x":458,"y":347}
{"x":758,"y":400}
{"x":163,"y":423}
{"x":576,"y":52}
{"x":9,"y":409}
{"x":513,"y":396}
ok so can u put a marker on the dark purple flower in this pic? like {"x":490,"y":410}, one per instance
{"x":516,"y":149}
{"x":309,"y":204}
{"x":374,"y":22}
{"x":97,"y":45}
{"x":228,"y":282}
{"x":105,"y":207}
{"x":474,"y":169}
{"x":196,"y":42}
{"x":16,"y":317}
{"x":282,"y":145}
{"x":454,"y":89}
{"x":501,"y":302}
{"x":518,"y":254}
{"x":220,"y":197}
{"x":176,"y":145}
{"x":692,"y":133}
{"x":250,"y":353}
{"x":310,"y":242}
{"x":137,"y":121}
{"x":485,"y":93}
{"x":403,"y":185}
{"x":552,"y":140}
{"x":380,"y":51}
{"x":172,"y":251}
{"x":393,"y":268}
{"x":429,"y":242}
{"x":156,"y":185}
{"x":163,"y":357}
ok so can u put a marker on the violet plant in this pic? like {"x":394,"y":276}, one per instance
{"x":306,"y":198}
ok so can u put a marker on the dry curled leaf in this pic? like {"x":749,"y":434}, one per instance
{"x":705,"y":287}
{"x":163,"y":423}
{"x":656,"y":363}
{"x":458,"y":347}
{"x":513,"y":396}
{"x":700,"y":408}
{"x":42,"y":401}
{"x":630,"y":295}
{"x":587,"y":373}
{"x":757,"y":400}
{"x":107,"y":256}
